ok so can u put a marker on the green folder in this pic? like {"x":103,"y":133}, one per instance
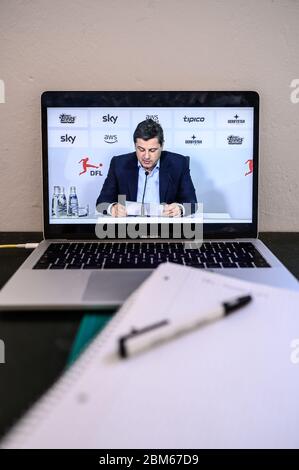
{"x":89,"y":327}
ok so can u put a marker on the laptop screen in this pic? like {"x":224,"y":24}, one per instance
{"x":150,"y":159}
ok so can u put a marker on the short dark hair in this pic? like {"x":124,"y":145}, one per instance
{"x":149,"y":129}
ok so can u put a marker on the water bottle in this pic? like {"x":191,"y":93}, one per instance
{"x":61,"y":204}
{"x":73,"y":208}
{"x":55,"y":201}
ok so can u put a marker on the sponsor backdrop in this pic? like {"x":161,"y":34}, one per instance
{"x":219,"y":142}
{"x":141,"y":45}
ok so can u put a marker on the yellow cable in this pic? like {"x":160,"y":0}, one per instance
{"x":8,"y":246}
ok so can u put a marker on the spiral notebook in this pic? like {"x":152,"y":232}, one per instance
{"x":233,"y":383}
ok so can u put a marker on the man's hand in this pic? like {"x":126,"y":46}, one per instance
{"x":118,"y":210}
{"x":172,"y":210}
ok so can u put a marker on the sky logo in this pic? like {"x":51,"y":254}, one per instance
{"x":110,"y":118}
{"x":68,"y":138}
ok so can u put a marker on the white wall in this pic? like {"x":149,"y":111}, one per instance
{"x":142,"y":45}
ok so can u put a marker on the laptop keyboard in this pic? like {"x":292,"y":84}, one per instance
{"x":124,"y":255}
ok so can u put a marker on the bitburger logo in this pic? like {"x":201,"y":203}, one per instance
{"x":236,"y":120}
{"x":193,"y":140}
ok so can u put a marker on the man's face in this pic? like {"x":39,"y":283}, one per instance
{"x":148,"y":152}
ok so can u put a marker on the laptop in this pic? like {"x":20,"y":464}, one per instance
{"x":93,"y":258}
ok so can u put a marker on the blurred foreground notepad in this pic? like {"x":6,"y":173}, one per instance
{"x":233,"y":383}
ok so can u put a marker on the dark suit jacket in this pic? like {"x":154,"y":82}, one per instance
{"x":175,"y":183}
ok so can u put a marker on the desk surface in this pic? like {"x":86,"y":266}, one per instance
{"x":37,"y":345}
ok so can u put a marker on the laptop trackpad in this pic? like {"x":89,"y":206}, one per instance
{"x":113,"y":286}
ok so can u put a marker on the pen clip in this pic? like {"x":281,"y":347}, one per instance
{"x":236,"y":304}
{"x":135,"y":332}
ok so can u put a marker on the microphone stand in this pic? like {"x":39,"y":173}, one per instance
{"x":142,"y":203}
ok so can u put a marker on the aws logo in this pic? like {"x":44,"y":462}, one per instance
{"x":110,"y":139}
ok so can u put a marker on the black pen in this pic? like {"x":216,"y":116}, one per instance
{"x":141,"y":339}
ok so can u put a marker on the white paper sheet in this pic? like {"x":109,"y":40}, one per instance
{"x":230,"y":384}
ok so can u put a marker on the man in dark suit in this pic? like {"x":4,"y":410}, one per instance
{"x":150,"y":175}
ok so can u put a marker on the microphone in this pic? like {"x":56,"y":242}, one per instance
{"x":142,"y":203}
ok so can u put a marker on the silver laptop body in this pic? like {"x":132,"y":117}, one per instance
{"x":98,"y":125}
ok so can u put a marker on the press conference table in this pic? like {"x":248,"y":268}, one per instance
{"x":37,"y":344}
